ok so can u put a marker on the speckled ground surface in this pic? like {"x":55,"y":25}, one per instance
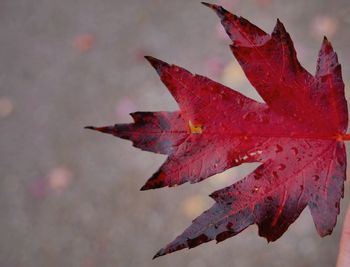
{"x":70,"y":197}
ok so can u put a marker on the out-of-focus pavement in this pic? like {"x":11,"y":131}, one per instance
{"x":70,"y":197}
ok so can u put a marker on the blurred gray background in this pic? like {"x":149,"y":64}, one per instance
{"x":70,"y":197}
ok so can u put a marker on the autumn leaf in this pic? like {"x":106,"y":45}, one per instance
{"x":297,"y":135}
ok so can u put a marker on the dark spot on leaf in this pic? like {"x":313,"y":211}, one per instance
{"x":278,"y":149}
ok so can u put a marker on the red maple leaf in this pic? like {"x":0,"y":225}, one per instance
{"x":297,"y":135}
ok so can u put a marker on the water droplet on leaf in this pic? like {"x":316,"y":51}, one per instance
{"x":255,"y":189}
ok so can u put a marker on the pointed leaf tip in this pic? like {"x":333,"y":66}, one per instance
{"x":106,"y":129}
{"x":156,"y":63}
{"x":152,"y":184}
{"x":159,"y":254}
{"x":326,"y":46}
{"x":326,"y":41}
{"x":220,"y":11}
{"x":279,"y":29}
{"x":207,"y":4}
{"x":156,"y":181}
{"x":90,"y":127}
{"x":144,"y":188}
{"x":148,"y":185}
{"x":214,"y":195}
